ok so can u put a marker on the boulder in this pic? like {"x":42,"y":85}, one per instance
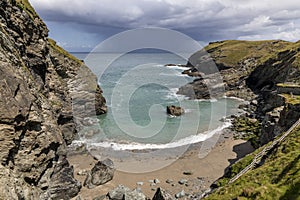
{"x":62,"y":182}
{"x":161,"y":194}
{"x":182,"y":181}
{"x":180,"y":194}
{"x":102,"y":172}
{"x":123,"y":193}
{"x":156,"y":181}
{"x":188,"y":172}
{"x":175,"y":110}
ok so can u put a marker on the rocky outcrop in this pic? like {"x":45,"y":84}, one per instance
{"x":249,"y":70}
{"x":123,"y":193}
{"x":161,"y":194}
{"x":278,"y":120}
{"x":102,"y":172}
{"x":175,"y":110}
{"x":288,"y":89}
{"x":245,"y":67}
{"x":36,"y":120}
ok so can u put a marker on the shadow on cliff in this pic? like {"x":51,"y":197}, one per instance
{"x":241,"y":151}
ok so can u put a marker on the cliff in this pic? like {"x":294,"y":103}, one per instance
{"x":245,"y":66}
{"x":267,"y":75}
{"x":37,"y":79}
{"x":252,"y":70}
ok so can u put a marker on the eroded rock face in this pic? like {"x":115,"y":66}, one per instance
{"x":36,"y":120}
{"x":250,"y":75}
{"x":175,"y":110}
{"x":102,"y":172}
{"x":262,"y":64}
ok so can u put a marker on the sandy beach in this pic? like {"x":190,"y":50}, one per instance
{"x":202,"y":171}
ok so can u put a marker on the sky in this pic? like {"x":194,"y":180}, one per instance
{"x":80,"y":25}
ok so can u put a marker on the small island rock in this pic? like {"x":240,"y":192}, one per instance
{"x":175,"y":110}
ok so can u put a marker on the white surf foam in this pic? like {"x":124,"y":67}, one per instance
{"x":174,"y":74}
{"x":172,"y":94}
{"x":177,"y":67}
{"x":206,"y":100}
{"x":182,"y":142}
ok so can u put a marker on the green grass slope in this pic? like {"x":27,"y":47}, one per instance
{"x":232,"y":52}
{"x":25,"y":5}
{"x":60,"y":50}
{"x":278,"y":178}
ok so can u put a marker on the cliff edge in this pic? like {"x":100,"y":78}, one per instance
{"x":36,"y":120}
{"x":246,"y":67}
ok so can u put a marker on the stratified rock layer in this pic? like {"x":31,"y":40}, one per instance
{"x":36,"y":120}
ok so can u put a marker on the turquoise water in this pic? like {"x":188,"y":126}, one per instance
{"x":138,"y":87}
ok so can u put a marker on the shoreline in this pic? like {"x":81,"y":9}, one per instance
{"x":204,"y":171}
{"x":147,"y":147}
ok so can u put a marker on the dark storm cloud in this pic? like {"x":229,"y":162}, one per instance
{"x":201,"y":19}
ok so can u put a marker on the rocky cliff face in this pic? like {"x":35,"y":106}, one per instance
{"x":36,"y":123}
{"x":250,"y":70}
{"x":245,"y":66}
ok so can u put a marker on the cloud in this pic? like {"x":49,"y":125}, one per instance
{"x":201,"y":19}
{"x":293,"y":35}
{"x":259,"y":23}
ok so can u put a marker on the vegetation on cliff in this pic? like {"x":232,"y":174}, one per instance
{"x":277,"y":178}
{"x":256,"y":71}
{"x":245,"y":67}
{"x":291,"y":99}
{"x":232,"y":52}
{"x":26,"y":6}
{"x":60,"y":50}
{"x":250,"y":129}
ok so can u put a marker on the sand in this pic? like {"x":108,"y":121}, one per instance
{"x":204,"y":170}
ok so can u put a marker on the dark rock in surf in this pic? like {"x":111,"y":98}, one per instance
{"x":175,"y":110}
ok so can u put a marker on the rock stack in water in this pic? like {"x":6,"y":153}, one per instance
{"x":175,"y":110}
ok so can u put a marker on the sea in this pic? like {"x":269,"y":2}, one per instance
{"x":138,"y":86}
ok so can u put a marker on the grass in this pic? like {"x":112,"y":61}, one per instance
{"x":285,"y":85}
{"x":232,"y":53}
{"x":235,"y":169}
{"x":62,"y":51}
{"x":25,"y":5}
{"x":250,"y":130}
{"x":278,"y":178}
{"x":291,"y":99}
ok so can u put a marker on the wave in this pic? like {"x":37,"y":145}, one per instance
{"x":206,"y":100}
{"x":176,"y":74}
{"x":177,"y":67}
{"x":140,"y":146}
{"x":172,"y":94}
